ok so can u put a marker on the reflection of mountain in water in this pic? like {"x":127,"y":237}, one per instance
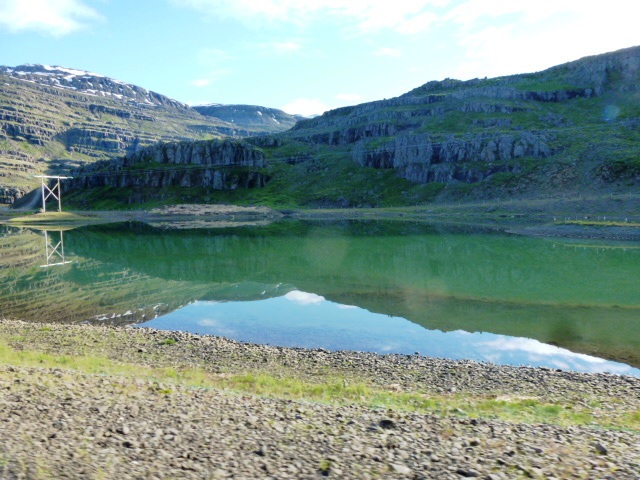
{"x":92,"y":290}
{"x":379,"y":257}
{"x":442,"y":280}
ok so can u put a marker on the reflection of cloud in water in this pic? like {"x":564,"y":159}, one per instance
{"x":303,"y":298}
{"x":221,"y":328}
{"x":389,"y":348}
{"x":301,"y":319}
{"x":208,"y":322}
{"x":462,"y":332}
{"x":535,"y":347}
{"x":552,"y":356}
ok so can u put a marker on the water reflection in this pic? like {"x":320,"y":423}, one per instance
{"x":301,"y":319}
{"x":54,"y":248}
{"x":581,"y":297}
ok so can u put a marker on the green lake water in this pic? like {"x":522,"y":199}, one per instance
{"x":390,"y":287}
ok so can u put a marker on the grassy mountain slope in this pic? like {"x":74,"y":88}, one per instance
{"x":568,"y":131}
{"x":571,"y":128}
{"x":53,"y":119}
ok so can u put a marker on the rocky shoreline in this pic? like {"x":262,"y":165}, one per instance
{"x":194,"y":216}
{"x":64,"y":423}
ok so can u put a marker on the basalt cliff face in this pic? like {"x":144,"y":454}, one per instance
{"x":569,"y":126}
{"x":567,"y":130}
{"x":54,"y":119}
{"x":465,"y":158}
{"x":210,"y":165}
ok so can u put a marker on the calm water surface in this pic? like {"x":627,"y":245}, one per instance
{"x":373,"y":286}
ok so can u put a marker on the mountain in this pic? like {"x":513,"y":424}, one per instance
{"x":54,"y":119}
{"x":572,"y":127}
{"x":259,"y":119}
{"x":569,"y":131}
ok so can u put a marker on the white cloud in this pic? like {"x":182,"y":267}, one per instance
{"x":408,"y":16}
{"x":418,"y":23}
{"x":388,"y":52}
{"x":304,"y":298}
{"x":347,"y":307}
{"x":502,"y":343}
{"x":210,"y":77}
{"x":286,"y":47}
{"x":305,"y":106}
{"x":201,"y":82}
{"x":281,"y":47}
{"x":208,"y":322}
{"x":213,"y":60}
{"x":52,"y":17}
{"x":212,"y":56}
{"x":220,"y":327}
{"x":501,"y":38}
{"x":536,"y":352}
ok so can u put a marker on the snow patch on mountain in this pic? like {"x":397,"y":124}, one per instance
{"x":89,"y":83}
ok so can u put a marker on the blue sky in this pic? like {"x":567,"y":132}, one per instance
{"x":307,"y":56}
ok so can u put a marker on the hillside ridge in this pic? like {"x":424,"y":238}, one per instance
{"x":269,"y":120}
{"x":566,"y":130}
{"x":89,"y":83}
{"x":54,"y":119}
{"x":526,"y":130}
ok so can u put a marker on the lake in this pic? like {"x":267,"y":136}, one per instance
{"x":381,"y":286}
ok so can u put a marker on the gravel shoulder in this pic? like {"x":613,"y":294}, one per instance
{"x":61,"y":422}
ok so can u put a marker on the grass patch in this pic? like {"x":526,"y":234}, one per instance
{"x":332,"y":390}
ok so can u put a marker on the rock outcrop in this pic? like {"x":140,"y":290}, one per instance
{"x":419,"y":159}
{"x":454,"y":131}
{"x":214,"y":164}
{"x":60,"y":118}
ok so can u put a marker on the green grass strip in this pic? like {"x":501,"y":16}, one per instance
{"x":334,"y":391}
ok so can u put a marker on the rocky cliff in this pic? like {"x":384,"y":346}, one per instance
{"x":570,"y":126}
{"x":468,"y":159}
{"x":567,"y":130}
{"x":54,"y":119}
{"x":214,"y":164}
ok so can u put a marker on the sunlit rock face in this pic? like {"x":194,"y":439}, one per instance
{"x":219,"y":165}
{"x":56,"y":119}
{"x":454,"y":131}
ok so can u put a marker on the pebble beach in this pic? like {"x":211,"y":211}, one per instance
{"x":61,"y":422}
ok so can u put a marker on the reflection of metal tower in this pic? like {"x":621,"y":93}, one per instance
{"x":51,"y":192}
{"x":54,"y":252}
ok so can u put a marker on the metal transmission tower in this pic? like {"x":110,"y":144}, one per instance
{"x":51,"y":192}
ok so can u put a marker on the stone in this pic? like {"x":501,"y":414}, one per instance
{"x":214,"y":434}
{"x":468,"y":473}
{"x":400,"y":469}
{"x":387,"y":424}
{"x":601,"y":449}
